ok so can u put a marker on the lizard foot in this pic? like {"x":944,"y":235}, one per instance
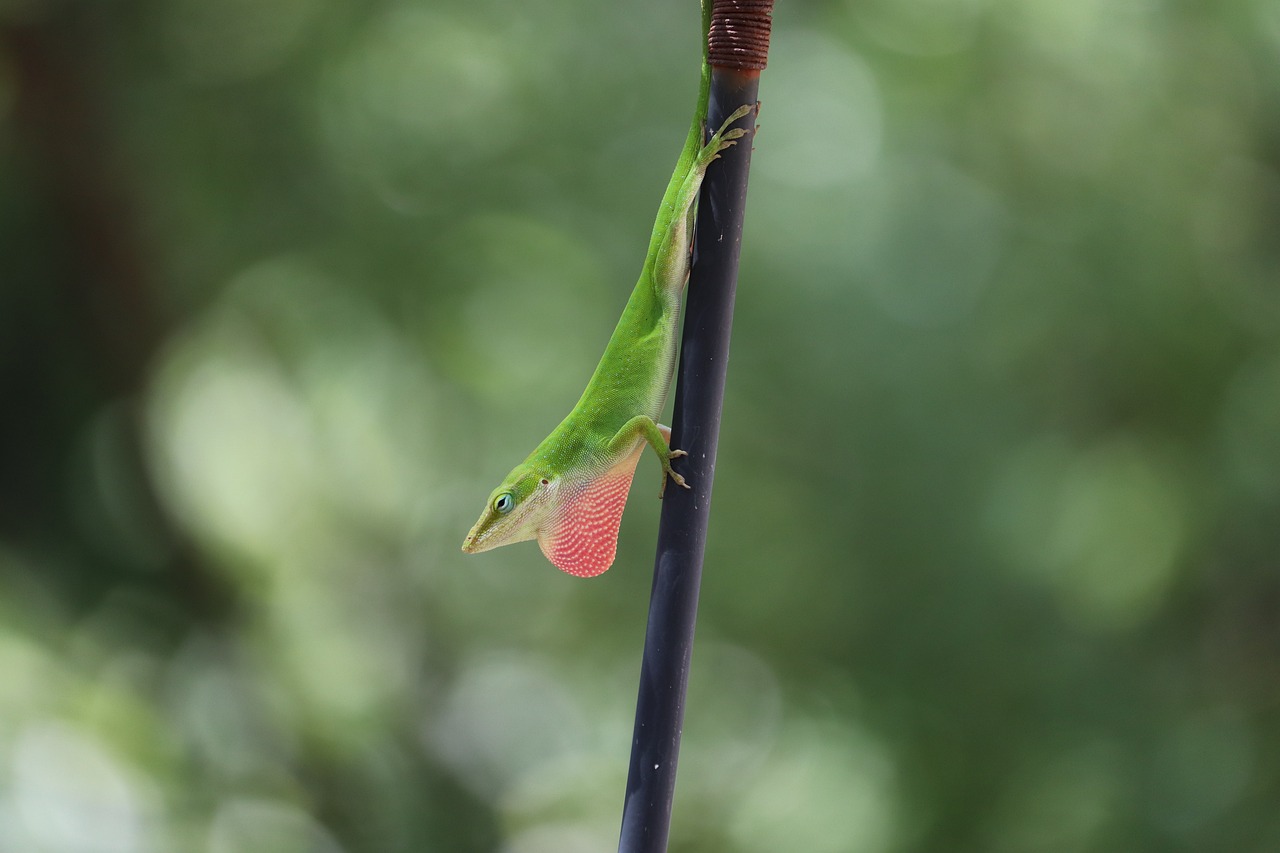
{"x":668,"y":472}
{"x":724,"y":132}
{"x":726,"y":137}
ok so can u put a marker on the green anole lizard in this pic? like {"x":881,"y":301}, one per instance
{"x":570,"y":492}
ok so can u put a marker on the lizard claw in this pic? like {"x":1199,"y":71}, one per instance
{"x":674,"y":476}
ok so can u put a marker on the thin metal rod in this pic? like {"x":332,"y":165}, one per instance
{"x":682,"y":533}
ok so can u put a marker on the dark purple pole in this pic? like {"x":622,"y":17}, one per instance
{"x":739,"y":47}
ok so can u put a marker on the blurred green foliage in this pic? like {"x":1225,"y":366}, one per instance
{"x":287,"y":285}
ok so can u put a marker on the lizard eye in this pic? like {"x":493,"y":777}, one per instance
{"x":504,"y":502}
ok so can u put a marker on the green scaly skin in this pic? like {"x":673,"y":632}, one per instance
{"x":579,"y":474}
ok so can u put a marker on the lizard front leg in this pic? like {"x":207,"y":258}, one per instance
{"x":657,"y":436}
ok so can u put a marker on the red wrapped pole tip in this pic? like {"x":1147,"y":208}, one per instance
{"x":739,"y":34}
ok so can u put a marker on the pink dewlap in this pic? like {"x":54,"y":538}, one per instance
{"x":583,"y":538}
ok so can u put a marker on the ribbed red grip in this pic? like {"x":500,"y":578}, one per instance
{"x":739,"y":36}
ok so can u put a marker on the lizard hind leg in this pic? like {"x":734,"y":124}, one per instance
{"x":671,"y":267}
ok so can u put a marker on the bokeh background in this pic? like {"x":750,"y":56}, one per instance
{"x":286,"y":286}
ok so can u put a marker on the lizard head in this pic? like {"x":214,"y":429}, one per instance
{"x":575,"y":520}
{"x":516,"y":510}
